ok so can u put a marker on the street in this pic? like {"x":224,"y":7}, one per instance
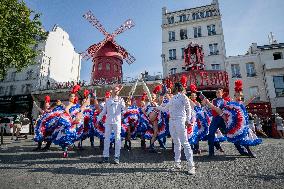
{"x":20,"y":167}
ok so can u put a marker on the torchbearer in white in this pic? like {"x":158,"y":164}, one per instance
{"x":180,"y":115}
{"x":113,"y":108}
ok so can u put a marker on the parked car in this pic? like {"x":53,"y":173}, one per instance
{"x":7,"y":124}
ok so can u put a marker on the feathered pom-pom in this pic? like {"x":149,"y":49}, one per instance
{"x":157,"y":89}
{"x":183,"y":81}
{"x":226,"y":97}
{"x":76,"y":100}
{"x":193,"y":88}
{"x":169,"y":84}
{"x":47,"y":99}
{"x":75,"y":89}
{"x":238,"y":86}
{"x":107,"y":95}
{"x":143,"y":98}
{"x":86,"y":93}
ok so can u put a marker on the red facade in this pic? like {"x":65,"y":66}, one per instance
{"x":204,"y":79}
{"x":107,"y":65}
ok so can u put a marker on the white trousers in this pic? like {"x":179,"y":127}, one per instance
{"x":179,"y":136}
{"x":117,"y":130}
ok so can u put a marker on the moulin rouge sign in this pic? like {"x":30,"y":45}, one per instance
{"x":204,"y":79}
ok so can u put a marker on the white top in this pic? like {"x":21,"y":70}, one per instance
{"x":178,"y":107}
{"x":113,"y":109}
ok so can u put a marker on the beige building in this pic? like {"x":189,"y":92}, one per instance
{"x":262,"y":72}
{"x":200,"y":25}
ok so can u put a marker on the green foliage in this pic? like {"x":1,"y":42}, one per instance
{"x":20,"y":31}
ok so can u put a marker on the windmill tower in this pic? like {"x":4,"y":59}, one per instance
{"x":107,"y":55}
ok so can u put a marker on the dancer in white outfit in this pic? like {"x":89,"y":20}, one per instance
{"x":113,"y":109}
{"x":180,"y":114}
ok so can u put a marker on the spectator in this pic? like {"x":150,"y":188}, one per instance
{"x":258,"y":126}
{"x":48,"y":84}
{"x":279,"y":125}
{"x":251,"y":122}
{"x":17,"y":125}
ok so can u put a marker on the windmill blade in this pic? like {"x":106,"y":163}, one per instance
{"x":95,"y":22}
{"x":125,"y":26}
{"x":128,"y":57}
{"x":94,"y":48}
{"x":85,"y":56}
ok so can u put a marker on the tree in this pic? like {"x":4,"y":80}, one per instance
{"x":20,"y":31}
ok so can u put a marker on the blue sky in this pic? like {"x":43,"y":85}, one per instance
{"x":244,"y":22}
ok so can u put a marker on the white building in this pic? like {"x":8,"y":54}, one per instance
{"x":57,"y":62}
{"x":262,"y":71}
{"x":201,"y":25}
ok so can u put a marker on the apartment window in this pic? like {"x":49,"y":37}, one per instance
{"x":115,"y":68}
{"x":28,"y":88}
{"x":1,"y":90}
{"x":279,"y":85}
{"x":250,"y":70}
{"x":208,"y":13}
{"x":236,"y":71}
{"x":11,"y":90}
{"x":197,"y":31}
{"x":172,"y":54}
{"x":182,"y":53}
{"x":13,"y":76}
{"x":100,"y":66}
{"x":182,"y":18}
{"x":253,"y":91}
{"x":213,"y":48}
{"x":216,"y":67}
{"x":194,"y":16}
{"x":23,"y":88}
{"x":108,"y":66}
{"x":183,"y":34}
{"x":172,"y":36}
{"x":277,"y":55}
{"x":201,"y":14}
{"x":173,"y":71}
{"x":171,"y":20}
{"x":29,"y":74}
{"x":211,"y":29}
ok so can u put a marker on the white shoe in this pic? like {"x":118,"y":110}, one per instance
{"x":191,"y":170}
{"x":177,"y":166}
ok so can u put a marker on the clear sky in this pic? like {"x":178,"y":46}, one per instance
{"x":244,"y":22}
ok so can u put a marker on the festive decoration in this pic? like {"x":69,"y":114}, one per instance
{"x":143,"y":98}
{"x":157,"y":89}
{"x":193,"y":88}
{"x":193,"y":57}
{"x":86,"y":93}
{"x":183,"y":81}
{"x":47,"y":99}
{"x":145,"y":87}
{"x":107,"y":94}
{"x":75,"y":89}
{"x":238,"y":86}
{"x":133,"y":88}
{"x":169,"y":83}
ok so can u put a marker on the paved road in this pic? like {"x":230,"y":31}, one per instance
{"x":22,"y":168}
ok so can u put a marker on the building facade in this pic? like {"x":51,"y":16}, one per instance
{"x":262,"y":73}
{"x":57,"y":62}
{"x":200,"y":25}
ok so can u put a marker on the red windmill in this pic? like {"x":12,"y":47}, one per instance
{"x":107,"y":55}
